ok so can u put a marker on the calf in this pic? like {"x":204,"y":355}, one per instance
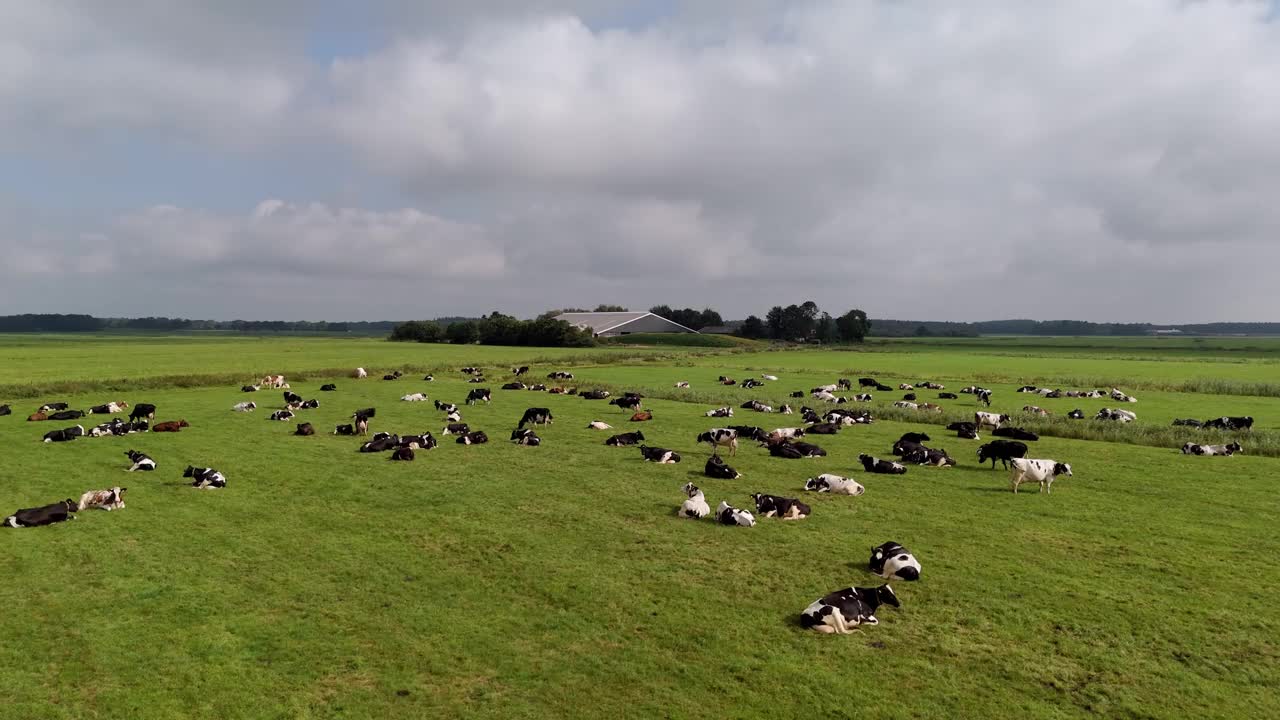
{"x":1015,"y":433}
{"x":890,"y":560}
{"x":1228,"y":449}
{"x":66,"y":415}
{"x":478,"y":394}
{"x":718,"y":469}
{"x":598,"y":425}
{"x":525,"y":436}
{"x":245,"y":407}
{"x":721,"y":437}
{"x":1230,"y":423}
{"x":1002,"y":450}
{"x":143,"y":410}
{"x":140,"y":461}
{"x":883,"y":467}
{"x":64,"y":435}
{"x":414,"y":397}
{"x":841,"y":611}
{"x":630,"y":438}
{"x":834,"y":484}
{"x":659,"y":455}
{"x":695,"y":506}
{"x":780,"y":507}
{"x":305,"y":429}
{"x":45,"y":515}
{"x":642,"y":416}
{"x":476,"y":437}
{"x":177,"y":425}
{"x":108,"y":500}
{"x":724,"y":412}
{"x":728,"y":515}
{"x":536,"y":416}
{"x":455,"y":429}
{"x":360,"y":373}
{"x":991,"y":420}
{"x":1024,"y":470}
{"x":281,"y":415}
{"x":37,"y":417}
{"x":205,"y":478}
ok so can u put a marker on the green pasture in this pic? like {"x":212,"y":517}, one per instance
{"x":509,"y":582}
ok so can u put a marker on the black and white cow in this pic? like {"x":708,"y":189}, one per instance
{"x":630,"y":438}
{"x":721,"y":437}
{"x":1015,"y":433}
{"x":834,"y":484}
{"x":921,"y":455}
{"x":884,"y":467}
{"x":381,"y":442}
{"x":719,"y":412}
{"x":1002,"y":450}
{"x":719,"y":469}
{"x":525,"y":436}
{"x":948,"y":396}
{"x":66,"y":415}
{"x":991,"y":420}
{"x":478,"y":394}
{"x":984,"y":396}
{"x":1188,"y":422}
{"x":403,"y":453}
{"x":140,"y":461}
{"x":143,"y":410}
{"x":205,"y":478}
{"x":1227,"y":423}
{"x":344,"y":430}
{"x":292,"y":397}
{"x":1229,"y":449}
{"x":52,"y":407}
{"x":475,"y":437}
{"x":249,"y":388}
{"x":328,"y":388}
{"x":809,"y":449}
{"x":915,"y":437}
{"x":536,"y":416}
{"x":65,"y":434}
{"x":1041,"y":471}
{"x":44,"y":515}
{"x":659,"y":455}
{"x":841,"y":611}
{"x":780,"y":507}
{"x":514,"y":386}
{"x":1076,"y":414}
{"x":729,"y":515}
{"x":749,"y":432}
{"x":282,"y":415}
{"x":517,"y":371}
{"x":893,"y":561}
{"x":695,"y":507}
{"x":594,"y":395}
{"x":425,"y":441}
{"x":1116,"y":415}
{"x":455,"y":429}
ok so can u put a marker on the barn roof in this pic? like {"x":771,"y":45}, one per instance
{"x":603,"y":322}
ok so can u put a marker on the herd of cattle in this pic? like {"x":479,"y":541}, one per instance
{"x":837,"y":612}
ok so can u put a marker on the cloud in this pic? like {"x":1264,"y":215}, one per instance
{"x":925,"y":160}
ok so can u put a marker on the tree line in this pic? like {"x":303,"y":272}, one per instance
{"x":495,"y":329}
{"x":806,"y":323}
{"x":55,"y":322}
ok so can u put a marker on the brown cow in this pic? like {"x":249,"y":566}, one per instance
{"x":642,"y":416}
{"x":170,"y":426}
{"x":37,"y":416}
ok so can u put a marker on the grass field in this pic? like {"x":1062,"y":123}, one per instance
{"x":510,"y":582}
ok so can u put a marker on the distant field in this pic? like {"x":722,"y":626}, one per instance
{"x":510,"y":582}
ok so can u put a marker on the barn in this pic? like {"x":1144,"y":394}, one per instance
{"x":612,"y":324}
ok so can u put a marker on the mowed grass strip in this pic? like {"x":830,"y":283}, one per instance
{"x":502,"y":581}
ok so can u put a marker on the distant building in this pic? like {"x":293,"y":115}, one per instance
{"x":612,"y":324}
{"x":1171,"y":331}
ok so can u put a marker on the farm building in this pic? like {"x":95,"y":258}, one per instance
{"x":610,"y":324}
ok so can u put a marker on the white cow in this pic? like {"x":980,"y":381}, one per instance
{"x":833,"y":484}
{"x":361,"y":373}
{"x":1024,"y":470}
{"x":598,"y":425}
{"x":696,"y":506}
{"x":414,"y":397}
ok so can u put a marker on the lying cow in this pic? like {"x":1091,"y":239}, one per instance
{"x":1002,"y":450}
{"x":595,"y":395}
{"x":205,"y":478}
{"x":414,"y":397}
{"x":1024,"y":470}
{"x":249,"y":388}
{"x":476,"y":437}
{"x":1228,"y":449}
{"x":721,"y":437}
{"x":282,"y":415}
{"x":172,"y":426}
{"x":330,"y":387}
{"x":344,"y":430}
{"x":695,"y":506}
{"x":65,"y":434}
{"x":728,"y":515}
{"x":44,"y":515}
{"x":381,"y":442}
{"x":1229,"y":423}
{"x":682,"y":385}
{"x":112,"y":499}
{"x":630,"y":438}
{"x":833,"y":484}
{"x":140,"y":461}
{"x":5,"y":410}
{"x":291,"y":397}
{"x":724,"y":412}
{"x":1015,"y":433}
{"x":305,"y":429}
{"x":1189,"y":422}
{"x":1036,"y":410}
{"x":525,"y":436}
{"x":403,"y":453}
{"x":659,"y":455}
{"x":783,"y":508}
{"x":921,"y":455}
{"x":455,"y":429}
{"x":883,"y":467}
{"x":599,"y":425}
{"x":644,"y":416}
{"x":52,"y":407}
{"x":1116,"y":415}
{"x":1076,"y":414}
{"x":536,"y":416}
{"x":719,"y":469}
{"x":513,"y":386}
{"x":841,"y":611}
{"x":66,"y":415}
{"x":893,"y":561}
{"x":245,"y":407}
{"x":110,"y":408}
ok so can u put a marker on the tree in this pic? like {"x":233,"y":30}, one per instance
{"x":753,"y":328}
{"x":708,"y":318}
{"x":462,"y":333}
{"x":664,"y":311}
{"x":853,"y":326}
{"x":498,"y":329}
{"x":423,"y":331}
{"x":610,"y":308}
{"x":826,"y":330}
{"x":774,"y":320}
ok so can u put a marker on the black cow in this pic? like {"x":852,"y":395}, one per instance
{"x":344,"y":430}
{"x":525,"y":436}
{"x":719,"y":469}
{"x":473,"y":438}
{"x":948,"y":396}
{"x":749,"y":432}
{"x":477,"y":394}
{"x":884,"y":467}
{"x":514,"y":386}
{"x":536,"y":416}
{"x":328,"y":388}
{"x":915,"y":437}
{"x":868,"y":382}
{"x":883,"y":388}
{"x":305,"y":429}
{"x":67,"y":415}
{"x":5,"y":410}
{"x":627,"y":402}
{"x":248,"y":388}
{"x":844,"y":384}
{"x":909,"y":397}
{"x":961,"y":426}
{"x":659,"y":455}
{"x":403,"y":453}
{"x":1002,"y":450}
{"x":822,"y":429}
{"x":785,"y":450}
{"x":52,"y":406}
{"x":809,"y":449}
{"x":45,"y":515}
{"x":797,"y":394}
{"x":520,"y":370}
{"x":1015,"y":433}
{"x":1222,"y":423}
{"x":780,"y":507}
{"x":143,"y":410}
{"x":64,"y":435}
{"x":364,"y":414}
{"x":381,"y":443}
{"x":630,"y":438}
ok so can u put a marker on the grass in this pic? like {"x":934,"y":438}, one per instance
{"x":501,"y":581}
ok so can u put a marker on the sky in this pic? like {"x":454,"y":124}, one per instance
{"x":1105,"y":160}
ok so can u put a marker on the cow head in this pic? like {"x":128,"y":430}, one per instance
{"x":1062,"y":469}
{"x":887,"y":596}
{"x":1235,"y":448}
